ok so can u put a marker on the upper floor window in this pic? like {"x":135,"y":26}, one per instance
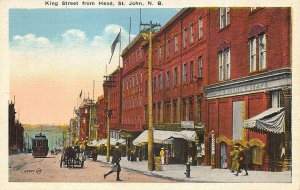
{"x":224,"y":64}
{"x":175,"y":74}
{"x":184,"y":37}
{"x":160,"y":81}
{"x":200,"y":27}
{"x":224,"y":17}
{"x":154,"y":84}
{"x":184,"y":73}
{"x":159,"y":53}
{"x":175,"y":43}
{"x":200,"y":66}
{"x":137,"y":79}
{"x":191,"y":33}
{"x":168,"y":48}
{"x":191,"y":70}
{"x":167,"y":79}
{"x":257,"y":53}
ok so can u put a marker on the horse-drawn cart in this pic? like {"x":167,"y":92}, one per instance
{"x":71,"y":157}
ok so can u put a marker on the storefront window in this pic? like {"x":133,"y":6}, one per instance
{"x":256,"y":155}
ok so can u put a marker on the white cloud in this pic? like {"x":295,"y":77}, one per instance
{"x":30,"y":41}
{"x":73,"y":37}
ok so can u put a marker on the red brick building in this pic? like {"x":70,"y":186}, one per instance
{"x":214,"y":69}
{"x":101,"y":116}
{"x":84,"y":115}
{"x":249,"y":72}
{"x":113,"y":93}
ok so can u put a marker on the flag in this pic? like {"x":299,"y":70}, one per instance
{"x":80,"y":94}
{"x":113,"y":46}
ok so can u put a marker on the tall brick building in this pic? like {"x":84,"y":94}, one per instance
{"x":214,"y":69}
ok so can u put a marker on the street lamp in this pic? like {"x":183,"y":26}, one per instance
{"x":150,"y":124}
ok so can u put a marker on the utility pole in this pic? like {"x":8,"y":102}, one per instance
{"x":150,"y":124}
{"x":108,"y":83}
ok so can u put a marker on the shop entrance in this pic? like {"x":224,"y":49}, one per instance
{"x":223,"y":150}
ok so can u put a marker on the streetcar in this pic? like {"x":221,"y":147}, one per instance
{"x":40,"y":146}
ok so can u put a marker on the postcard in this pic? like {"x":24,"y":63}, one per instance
{"x":149,"y":94}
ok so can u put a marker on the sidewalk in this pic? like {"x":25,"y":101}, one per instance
{"x":203,"y":174}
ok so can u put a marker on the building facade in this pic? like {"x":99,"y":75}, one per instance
{"x":216,"y":71}
{"x":249,"y":73}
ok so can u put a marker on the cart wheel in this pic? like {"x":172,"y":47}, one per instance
{"x":82,"y":163}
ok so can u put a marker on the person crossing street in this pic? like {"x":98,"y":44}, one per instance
{"x":116,"y":161}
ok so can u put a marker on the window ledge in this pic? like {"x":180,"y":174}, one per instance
{"x":224,"y":28}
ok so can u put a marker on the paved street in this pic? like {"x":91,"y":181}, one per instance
{"x":25,"y":168}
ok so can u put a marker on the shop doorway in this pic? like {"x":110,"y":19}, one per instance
{"x":223,"y":151}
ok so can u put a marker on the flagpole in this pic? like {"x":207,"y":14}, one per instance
{"x":120,"y":49}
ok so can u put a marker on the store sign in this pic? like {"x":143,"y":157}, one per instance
{"x":213,"y":144}
{"x":251,"y":84}
{"x":187,"y":124}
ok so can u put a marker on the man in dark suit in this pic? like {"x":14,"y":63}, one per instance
{"x":116,"y":154}
{"x":242,"y":161}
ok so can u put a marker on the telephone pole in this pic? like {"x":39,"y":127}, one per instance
{"x":150,"y":124}
{"x":108,"y":83}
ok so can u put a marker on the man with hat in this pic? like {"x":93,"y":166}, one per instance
{"x":116,"y":154}
{"x":162,"y":155}
{"x":234,"y":154}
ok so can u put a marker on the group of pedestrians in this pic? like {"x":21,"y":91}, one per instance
{"x":239,"y":159}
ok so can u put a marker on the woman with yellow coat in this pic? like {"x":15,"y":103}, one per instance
{"x":234,"y":154}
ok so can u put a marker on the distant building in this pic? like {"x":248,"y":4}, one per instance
{"x":16,"y":131}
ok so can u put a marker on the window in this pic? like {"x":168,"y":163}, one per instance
{"x":224,"y":65}
{"x":167,"y":79}
{"x":200,"y":27}
{"x":257,"y":53}
{"x":175,"y":44}
{"x":160,"y":81}
{"x":256,"y":155}
{"x":262,"y":51}
{"x":184,"y":73}
{"x":168,"y":48}
{"x":184,"y":37}
{"x":277,"y":99}
{"x":191,"y":70}
{"x":175,"y":76}
{"x":224,"y":17}
{"x":252,"y":48}
{"x":137,"y":79}
{"x":154,"y":84}
{"x":200,"y":66}
{"x":159,"y":53}
{"x":132,"y":81}
{"x":191,"y":33}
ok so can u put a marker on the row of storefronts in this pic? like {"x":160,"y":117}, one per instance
{"x":221,"y":77}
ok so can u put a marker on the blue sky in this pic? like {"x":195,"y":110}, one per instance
{"x":56,"y":53}
{"x":50,"y":23}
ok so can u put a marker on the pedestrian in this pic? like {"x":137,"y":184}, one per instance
{"x":248,"y":156}
{"x":167,"y":156}
{"x":234,"y":154}
{"x":162,"y":156}
{"x":242,"y":161}
{"x":116,"y":154}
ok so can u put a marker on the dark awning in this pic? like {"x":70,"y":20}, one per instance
{"x":271,"y":120}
